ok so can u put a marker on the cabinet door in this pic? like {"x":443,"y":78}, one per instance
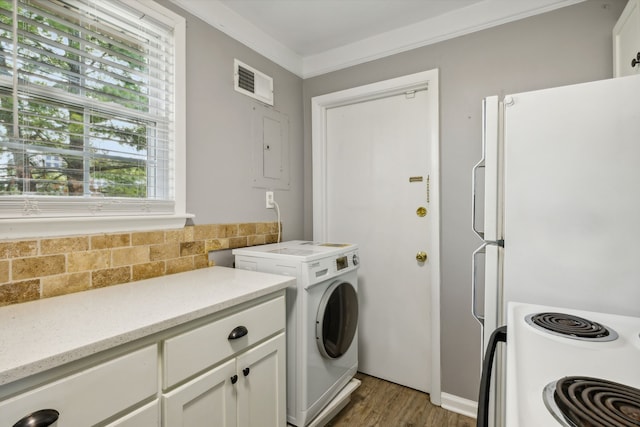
{"x":626,"y":41}
{"x":262,"y":385}
{"x":208,"y":400}
{"x":147,"y":416}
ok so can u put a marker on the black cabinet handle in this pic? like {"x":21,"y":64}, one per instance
{"x":635,"y":61}
{"x":238,"y":332}
{"x":42,"y":418}
{"x":234,"y":379}
{"x":246,"y":371}
{"x":499,"y":335}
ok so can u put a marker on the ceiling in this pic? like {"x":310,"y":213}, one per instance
{"x":312,"y":37}
{"x":310,"y":27}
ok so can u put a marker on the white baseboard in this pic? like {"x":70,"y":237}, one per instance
{"x":459,"y":405}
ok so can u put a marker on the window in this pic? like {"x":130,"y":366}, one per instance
{"x":91,"y":115}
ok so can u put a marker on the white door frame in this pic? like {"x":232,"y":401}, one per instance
{"x":319,"y":107}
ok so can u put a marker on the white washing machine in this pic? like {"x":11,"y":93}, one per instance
{"x":322,"y":323}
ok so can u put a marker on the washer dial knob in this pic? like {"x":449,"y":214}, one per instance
{"x":355,"y":259}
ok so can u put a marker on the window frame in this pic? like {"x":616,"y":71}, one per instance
{"x":63,"y":217}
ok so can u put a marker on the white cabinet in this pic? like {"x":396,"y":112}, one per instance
{"x":230,"y":372}
{"x":94,"y":394}
{"x":245,"y":391}
{"x":261,"y":387}
{"x":626,"y":41}
{"x":207,"y":400}
{"x":223,"y":370}
{"x":200,"y":348}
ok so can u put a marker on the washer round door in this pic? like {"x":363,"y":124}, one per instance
{"x":337,"y":319}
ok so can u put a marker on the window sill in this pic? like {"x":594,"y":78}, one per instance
{"x":13,"y":229}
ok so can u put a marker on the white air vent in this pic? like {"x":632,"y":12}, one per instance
{"x":252,"y":82}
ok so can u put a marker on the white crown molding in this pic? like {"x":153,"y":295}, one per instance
{"x":476,"y":17}
{"x":235,"y":26}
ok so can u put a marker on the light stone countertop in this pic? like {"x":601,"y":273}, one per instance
{"x":43,"y":334}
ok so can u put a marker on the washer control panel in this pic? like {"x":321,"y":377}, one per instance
{"x":342,"y":262}
{"x":323,"y":269}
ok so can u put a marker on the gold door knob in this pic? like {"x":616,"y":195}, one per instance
{"x":421,"y":211}
{"x":421,"y":256}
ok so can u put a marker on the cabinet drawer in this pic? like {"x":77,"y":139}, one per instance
{"x":92,"y":395}
{"x":191,"y":352}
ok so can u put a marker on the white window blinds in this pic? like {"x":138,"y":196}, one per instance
{"x":86,"y":109}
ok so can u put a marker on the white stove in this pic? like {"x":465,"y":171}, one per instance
{"x":547,"y":370}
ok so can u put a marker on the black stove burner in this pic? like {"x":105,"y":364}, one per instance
{"x":591,"y":402}
{"x":571,"y":326}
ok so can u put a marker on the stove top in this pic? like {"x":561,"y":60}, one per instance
{"x":587,"y":401}
{"x":571,"y":326}
{"x":555,"y":355}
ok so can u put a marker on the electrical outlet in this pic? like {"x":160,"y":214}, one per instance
{"x":270,"y":200}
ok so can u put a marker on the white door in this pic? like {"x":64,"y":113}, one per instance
{"x":378,"y":171}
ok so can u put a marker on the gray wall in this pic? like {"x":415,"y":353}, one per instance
{"x":219,"y":143}
{"x":569,"y":45}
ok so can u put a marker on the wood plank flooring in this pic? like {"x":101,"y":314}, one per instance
{"x":378,"y":403}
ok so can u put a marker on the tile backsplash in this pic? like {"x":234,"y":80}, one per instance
{"x":40,"y":268}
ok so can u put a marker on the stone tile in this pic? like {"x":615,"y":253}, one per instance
{"x":246,"y":229}
{"x":4,"y":271}
{"x":188,"y":233}
{"x":202,"y":261}
{"x":89,"y":260}
{"x":267,"y":227}
{"x":129,"y":256}
{"x":148,"y":270}
{"x":110,"y":276}
{"x":164,"y":251}
{"x":232,"y":230}
{"x":147,"y":238}
{"x":209,"y":231}
{"x":216,"y":244}
{"x":65,"y":284}
{"x":17,"y":292}
{"x":178,"y":265}
{"x":109,"y":241}
{"x":27,"y":268}
{"x":174,"y":236}
{"x":256,"y":240}
{"x":64,"y":245}
{"x":19,"y":249}
{"x":107,"y":259}
{"x":271,"y":238}
{"x":237,"y":242}
{"x":263,"y":227}
{"x":192,"y":248}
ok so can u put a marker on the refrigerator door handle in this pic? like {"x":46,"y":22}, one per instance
{"x":474,"y":283}
{"x":479,"y":165}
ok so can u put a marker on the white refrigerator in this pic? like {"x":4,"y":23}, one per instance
{"x":556,"y":201}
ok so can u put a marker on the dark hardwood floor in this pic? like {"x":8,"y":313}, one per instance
{"x":378,"y":403}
